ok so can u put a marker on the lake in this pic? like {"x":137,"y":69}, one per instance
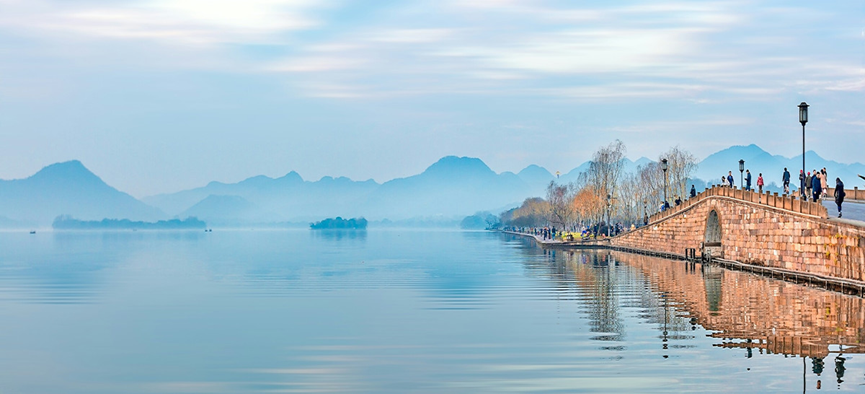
{"x":395,"y":311}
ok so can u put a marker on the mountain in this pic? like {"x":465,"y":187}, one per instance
{"x":451,"y":186}
{"x":444,"y":192}
{"x":536,"y":177}
{"x":286,"y":197}
{"x":772,"y":166}
{"x":229,"y":210}
{"x":629,"y":167}
{"x":68,"y":188}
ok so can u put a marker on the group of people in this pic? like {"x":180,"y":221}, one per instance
{"x":811,"y":186}
{"x":728,"y":181}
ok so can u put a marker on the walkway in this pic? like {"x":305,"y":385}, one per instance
{"x":853,"y":211}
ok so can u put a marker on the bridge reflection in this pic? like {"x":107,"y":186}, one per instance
{"x":756,"y":313}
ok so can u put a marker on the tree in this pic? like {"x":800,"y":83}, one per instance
{"x":532,"y":213}
{"x":605,"y":169}
{"x":681,"y":164}
{"x":560,"y":206}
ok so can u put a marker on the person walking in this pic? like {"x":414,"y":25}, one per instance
{"x":748,"y":180}
{"x":802,"y":189}
{"x":809,"y":185}
{"x":839,"y":194}
{"x":824,"y":180}
{"x":816,"y":187}
{"x":786,"y":180}
{"x":730,"y":178}
{"x":760,"y":183}
{"x":693,"y":191}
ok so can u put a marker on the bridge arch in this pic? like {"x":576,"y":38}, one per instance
{"x":713,"y":229}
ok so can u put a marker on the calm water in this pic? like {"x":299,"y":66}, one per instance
{"x":401,"y":311}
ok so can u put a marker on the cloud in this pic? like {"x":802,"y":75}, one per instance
{"x":686,"y":50}
{"x":197,"y":22}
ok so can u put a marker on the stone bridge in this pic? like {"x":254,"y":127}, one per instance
{"x":764,"y":230}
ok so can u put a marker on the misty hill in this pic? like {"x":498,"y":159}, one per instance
{"x":287,"y":197}
{"x":68,"y":189}
{"x":450,"y":187}
{"x":445,"y":192}
{"x":772,"y":166}
{"x":536,"y":177}
{"x":229,"y":210}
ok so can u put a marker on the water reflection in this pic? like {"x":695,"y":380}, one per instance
{"x":740,"y":310}
{"x":339,"y":234}
{"x":402,"y":311}
{"x":751,"y":312}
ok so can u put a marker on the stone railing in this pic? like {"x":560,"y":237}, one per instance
{"x":852,"y":194}
{"x":785,"y":202}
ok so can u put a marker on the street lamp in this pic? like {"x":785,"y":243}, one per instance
{"x":664,"y":168}
{"x":742,"y":173}
{"x":608,"y":214}
{"x":803,"y":118}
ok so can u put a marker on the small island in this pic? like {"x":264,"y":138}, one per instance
{"x":65,"y":222}
{"x":340,"y":224}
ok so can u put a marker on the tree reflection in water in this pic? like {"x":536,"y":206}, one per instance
{"x":742,"y":310}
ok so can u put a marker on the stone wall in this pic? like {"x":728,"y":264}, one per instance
{"x":759,"y":229}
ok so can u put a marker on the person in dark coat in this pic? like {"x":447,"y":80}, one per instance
{"x":802,"y":190}
{"x":816,"y":188}
{"x":693,"y":191}
{"x":748,"y":180}
{"x":730,"y":178}
{"x":839,"y":194}
{"x":786,"y":179}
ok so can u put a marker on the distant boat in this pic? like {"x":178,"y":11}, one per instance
{"x":32,"y":231}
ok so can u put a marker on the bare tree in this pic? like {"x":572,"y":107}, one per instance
{"x":681,"y":164}
{"x":561,"y":209}
{"x":605,"y":171}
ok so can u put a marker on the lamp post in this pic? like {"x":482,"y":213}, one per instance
{"x":664,"y":168}
{"x":742,"y":173}
{"x":608,"y":214}
{"x":803,"y":118}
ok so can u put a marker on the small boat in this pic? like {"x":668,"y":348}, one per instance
{"x":32,"y":231}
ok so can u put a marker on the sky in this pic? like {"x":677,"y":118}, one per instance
{"x":163,"y":95}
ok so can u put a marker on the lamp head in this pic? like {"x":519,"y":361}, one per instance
{"x":803,"y":113}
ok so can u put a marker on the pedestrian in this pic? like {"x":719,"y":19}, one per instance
{"x":786,"y":179}
{"x":809,"y":184}
{"x":748,"y":180}
{"x":839,"y":194}
{"x":678,"y":201}
{"x":693,"y":191}
{"x":824,"y":181}
{"x":816,"y":187}
{"x":730,"y":178}
{"x":723,"y":180}
{"x":760,"y":183}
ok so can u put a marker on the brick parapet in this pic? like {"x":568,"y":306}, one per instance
{"x":779,"y":232}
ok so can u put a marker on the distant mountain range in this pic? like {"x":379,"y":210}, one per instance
{"x":447,"y":190}
{"x":772,"y":166}
{"x":67,"y":188}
